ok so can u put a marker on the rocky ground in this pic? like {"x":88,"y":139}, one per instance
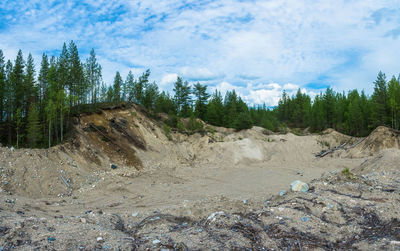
{"x":222,"y":190}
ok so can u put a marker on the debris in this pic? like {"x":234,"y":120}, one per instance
{"x":51,"y":239}
{"x":100,"y":239}
{"x":113,"y":166}
{"x":282,"y":193}
{"x":135,"y":214}
{"x":83,"y":220}
{"x":156,"y":242}
{"x":65,"y":182}
{"x":299,"y":186}
{"x":213,"y":215}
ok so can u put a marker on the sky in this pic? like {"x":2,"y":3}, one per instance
{"x":257,"y":47}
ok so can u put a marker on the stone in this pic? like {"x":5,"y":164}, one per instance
{"x":156,"y":242}
{"x":305,"y":219}
{"x":100,"y":239}
{"x":282,"y":193}
{"x":135,"y":214}
{"x":83,"y":220}
{"x":299,"y":186}
{"x":51,"y":239}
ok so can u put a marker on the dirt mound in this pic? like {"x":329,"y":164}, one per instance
{"x":332,"y":138}
{"x":381,"y":138}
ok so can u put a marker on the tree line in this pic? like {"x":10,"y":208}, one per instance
{"x":353,"y":113}
{"x":36,"y":108}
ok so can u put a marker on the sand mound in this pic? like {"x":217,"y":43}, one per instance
{"x":381,"y":138}
{"x":330,"y":138}
{"x":385,"y":161}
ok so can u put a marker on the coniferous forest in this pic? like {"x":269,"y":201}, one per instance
{"x":36,"y":108}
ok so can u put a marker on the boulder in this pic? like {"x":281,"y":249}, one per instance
{"x":299,"y":186}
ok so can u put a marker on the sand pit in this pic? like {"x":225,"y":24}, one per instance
{"x":216,"y":190}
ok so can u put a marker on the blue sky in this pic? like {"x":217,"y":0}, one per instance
{"x":257,"y":47}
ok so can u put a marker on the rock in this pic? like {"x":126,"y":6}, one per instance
{"x":156,"y":242}
{"x":282,"y":193}
{"x":51,"y":239}
{"x":113,"y":166}
{"x":305,"y":219}
{"x":299,"y":186}
{"x":213,"y":215}
{"x":83,"y":220}
{"x":12,"y":148}
{"x":396,"y":243}
{"x":135,"y":214}
{"x":100,"y":239}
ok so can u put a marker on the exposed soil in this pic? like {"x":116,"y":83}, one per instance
{"x":217,"y":190}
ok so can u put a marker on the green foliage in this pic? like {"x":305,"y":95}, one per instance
{"x":180,"y":126}
{"x":167,"y":132}
{"x":35,"y":110}
{"x":194,"y":125}
{"x":34,"y":134}
{"x":346,"y":172}
{"x":182,"y":97}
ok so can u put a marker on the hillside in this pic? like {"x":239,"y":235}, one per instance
{"x":126,"y":179}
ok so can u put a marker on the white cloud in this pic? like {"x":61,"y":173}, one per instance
{"x":227,"y":41}
{"x":290,"y":86}
{"x":168,"y":79}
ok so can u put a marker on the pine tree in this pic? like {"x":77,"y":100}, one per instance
{"x":29,"y":82}
{"x":50,"y":117}
{"x":150,"y":95}
{"x":215,"y":109}
{"x":140,"y":87}
{"x":182,"y":97}
{"x":18,"y":120}
{"x":2,"y":90}
{"x":77,"y":85}
{"x":117,"y":88}
{"x":394,"y":101}
{"x":43,"y":78}
{"x":200,"y":92}
{"x":93,"y":75}
{"x":380,"y":100}
{"x":17,"y":79}
{"x":330,"y":107}
{"x":9,"y":94}
{"x":63,"y":109}
{"x":130,"y":87}
{"x":33,"y":127}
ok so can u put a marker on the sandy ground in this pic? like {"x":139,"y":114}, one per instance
{"x":215,"y":190}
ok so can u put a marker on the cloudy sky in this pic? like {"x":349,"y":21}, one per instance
{"x":258,"y":47}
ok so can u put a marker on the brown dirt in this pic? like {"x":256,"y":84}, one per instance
{"x":199,"y":192}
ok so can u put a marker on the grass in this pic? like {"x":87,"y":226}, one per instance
{"x":167,"y":132}
{"x":346,"y":172}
